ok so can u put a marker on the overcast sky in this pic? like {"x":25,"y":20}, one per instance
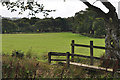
{"x":63,"y":9}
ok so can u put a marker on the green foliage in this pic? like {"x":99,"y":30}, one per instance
{"x":21,"y":6}
{"x":88,"y":22}
{"x":8,"y":26}
{"x":29,"y":53}
{"x":14,"y":67}
{"x":25,"y":25}
{"x":18,"y":53}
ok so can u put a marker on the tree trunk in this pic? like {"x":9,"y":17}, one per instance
{"x":112,"y":41}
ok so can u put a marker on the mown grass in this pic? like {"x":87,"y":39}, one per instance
{"x":42,"y":43}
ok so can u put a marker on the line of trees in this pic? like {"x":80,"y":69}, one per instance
{"x":34,"y":24}
{"x":84,"y":22}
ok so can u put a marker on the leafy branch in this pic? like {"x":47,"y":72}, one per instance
{"x":33,"y":7}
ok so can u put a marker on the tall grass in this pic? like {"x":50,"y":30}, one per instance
{"x":14,"y":67}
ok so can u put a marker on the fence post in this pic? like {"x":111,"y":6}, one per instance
{"x":68,"y":59}
{"x":91,"y":52}
{"x":49,"y":57}
{"x":72,"y":56}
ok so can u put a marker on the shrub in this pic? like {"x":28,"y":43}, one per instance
{"x":18,"y":53}
{"x":13,"y":67}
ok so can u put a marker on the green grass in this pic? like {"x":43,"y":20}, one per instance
{"x":42,"y":43}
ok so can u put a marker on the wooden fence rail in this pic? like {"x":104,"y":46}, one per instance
{"x":67,"y":54}
{"x":73,"y":51}
{"x":98,"y":47}
{"x":91,"y":46}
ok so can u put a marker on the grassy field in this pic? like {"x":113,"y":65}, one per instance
{"x":42,"y":43}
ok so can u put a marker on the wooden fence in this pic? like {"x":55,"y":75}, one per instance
{"x":87,"y":46}
{"x":67,"y":54}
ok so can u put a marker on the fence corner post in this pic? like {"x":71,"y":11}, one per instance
{"x":49,"y":57}
{"x":72,"y":46}
{"x":91,"y":52}
{"x":68,"y":59}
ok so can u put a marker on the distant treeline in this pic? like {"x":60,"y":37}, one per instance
{"x":85,"y":22}
{"x":34,"y":24}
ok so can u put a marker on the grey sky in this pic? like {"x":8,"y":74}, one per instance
{"x":63,"y":9}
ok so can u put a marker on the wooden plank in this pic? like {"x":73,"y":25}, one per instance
{"x":90,"y":66}
{"x":58,"y":59}
{"x":73,"y":48}
{"x":96,"y":58}
{"x":81,"y":45}
{"x":68,"y":59}
{"x":58,"y":54}
{"x":91,"y":52}
{"x":81,"y":56}
{"x":49,"y":57}
{"x":98,"y":47}
{"x":86,"y":56}
{"x":64,"y":54}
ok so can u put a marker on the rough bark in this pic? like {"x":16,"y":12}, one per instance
{"x":112,"y":28}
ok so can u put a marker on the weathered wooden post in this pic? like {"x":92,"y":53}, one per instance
{"x":68,"y":59}
{"x":91,"y":52}
{"x":72,"y":45}
{"x":49,"y":57}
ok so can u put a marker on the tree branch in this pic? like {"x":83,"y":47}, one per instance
{"x":108,"y":5}
{"x":96,"y":9}
{"x":112,"y":11}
